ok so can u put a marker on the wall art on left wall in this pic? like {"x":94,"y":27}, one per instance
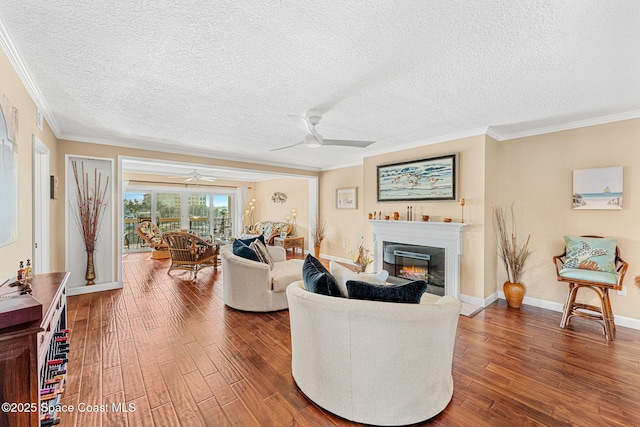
{"x":8,"y":171}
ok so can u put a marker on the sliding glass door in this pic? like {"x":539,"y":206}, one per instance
{"x":200,"y":214}
{"x":169,"y":211}
{"x":137,"y":207}
{"x":222,"y":216}
{"x":207,"y":214}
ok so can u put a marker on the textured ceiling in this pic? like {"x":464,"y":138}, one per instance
{"x":219,"y":78}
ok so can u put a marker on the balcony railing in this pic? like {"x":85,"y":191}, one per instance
{"x":222,"y":229}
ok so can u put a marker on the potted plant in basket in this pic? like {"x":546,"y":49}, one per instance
{"x":513,"y":255}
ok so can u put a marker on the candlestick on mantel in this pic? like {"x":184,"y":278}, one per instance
{"x":462,"y":201}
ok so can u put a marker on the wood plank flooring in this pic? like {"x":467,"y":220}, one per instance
{"x":173,"y":354}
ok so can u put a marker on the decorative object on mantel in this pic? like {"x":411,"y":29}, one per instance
{"x":513,"y":255}
{"x":446,"y":219}
{"x":396,"y":216}
{"x":433,"y":178}
{"x":409,"y":213}
{"x":279,"y":197}
{"x":92,"y":201}
{"x":318,"y":235}
{"x":425,"y":218}
{"x":362,"y":258}
{"x":462,"y":201}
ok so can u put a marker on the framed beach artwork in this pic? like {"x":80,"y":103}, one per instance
{"x":347,"y":198}
{"x":598,"y":188}
{"x":433,"y":178}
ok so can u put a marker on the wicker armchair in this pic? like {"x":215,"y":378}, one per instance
{"x":190,"y":252}
{"x":151,"y":234}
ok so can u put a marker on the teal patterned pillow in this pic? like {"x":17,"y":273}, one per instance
{"x":591,"y":253}
{"x":267,"y":231}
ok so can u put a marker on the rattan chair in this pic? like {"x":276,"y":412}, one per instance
{"x":598,"y":283}
{"x":151,"y":234}
{"x":190,"y":252}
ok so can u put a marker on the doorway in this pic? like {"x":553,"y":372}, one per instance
{"x":41,"y":208}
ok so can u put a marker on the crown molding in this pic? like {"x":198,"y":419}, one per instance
{"x":497,"y":135}
{"x":163,"y":147}
{"x":25,"y":76}
{"x":429,"y":141}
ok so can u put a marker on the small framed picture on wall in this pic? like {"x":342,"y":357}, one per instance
{"x":347,"y":198}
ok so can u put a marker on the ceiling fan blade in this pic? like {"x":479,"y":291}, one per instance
{"x":288,"y":146}
{"x":300,"y":121}
{"x":208,"y":178}
{"x":347,"y":143}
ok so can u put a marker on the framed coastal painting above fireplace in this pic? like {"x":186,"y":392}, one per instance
{"x":433,"y":178}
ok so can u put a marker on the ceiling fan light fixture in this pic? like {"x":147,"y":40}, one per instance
{"x":311,"y":141}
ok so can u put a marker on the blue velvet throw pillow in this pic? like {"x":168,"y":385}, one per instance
{"x":409,"y":293}
{"x":250,"y":240}
{"x":317,"y":279}
{"x":241,"y":249}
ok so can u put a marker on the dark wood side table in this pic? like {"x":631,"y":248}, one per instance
{"x":290,"y":242}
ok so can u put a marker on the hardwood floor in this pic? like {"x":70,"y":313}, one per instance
{"x":170,"y":352}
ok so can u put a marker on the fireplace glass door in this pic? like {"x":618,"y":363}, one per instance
{"x":408,"y":262}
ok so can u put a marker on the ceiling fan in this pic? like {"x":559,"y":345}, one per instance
{"x":313,"y":139}
{"x":194,"y":175}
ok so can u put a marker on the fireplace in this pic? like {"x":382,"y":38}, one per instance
{"x":443,"y":243}
{"x":406,"y":262}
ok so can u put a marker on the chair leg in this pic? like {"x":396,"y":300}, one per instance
{"x":607,"y":316}
{"x":568,"y":306}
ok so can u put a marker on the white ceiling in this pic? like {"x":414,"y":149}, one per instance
{"x":219,"y":78}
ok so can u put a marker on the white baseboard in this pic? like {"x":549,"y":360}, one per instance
{"x":627,"y":322}
{"x":337,"y":259}
{"x":79,"y":290}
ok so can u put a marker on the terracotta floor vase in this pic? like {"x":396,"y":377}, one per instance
{"x":513,"y":293}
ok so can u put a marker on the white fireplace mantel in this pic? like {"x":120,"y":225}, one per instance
{"x":446,"y":235}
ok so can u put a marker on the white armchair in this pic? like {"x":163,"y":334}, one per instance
{"x":373,"y":362}
{"x":253,"y":286}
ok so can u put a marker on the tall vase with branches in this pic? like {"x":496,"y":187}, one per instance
{"x":514,"y":255}
{"x":318,"y":234}
{"x":92,"y":199}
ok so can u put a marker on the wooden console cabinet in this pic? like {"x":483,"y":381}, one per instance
{"x":33,"y":356}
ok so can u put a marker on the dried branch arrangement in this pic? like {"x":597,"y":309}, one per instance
{"x":319,"y":232}
{"x":362,"y":258}
{"x":513,"y":255}
{"x":92,"y":201}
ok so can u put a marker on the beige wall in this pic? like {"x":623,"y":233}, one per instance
{"x":536,"y":174}
{"x":297,"y":191}
{"x":345,"y":227}
{"x":22,"y":249}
